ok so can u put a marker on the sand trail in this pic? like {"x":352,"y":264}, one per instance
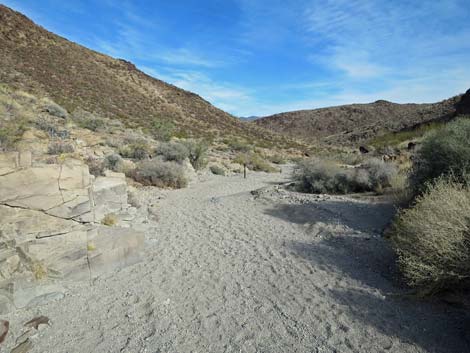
{"x":228,"y":271}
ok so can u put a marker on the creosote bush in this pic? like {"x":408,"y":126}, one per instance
{"x":324,"y":176}
{"x":197,"y":153}
{"x":432,"y":239}
{"x":160,"y":173}
{"x":162,"y":130}
{"x":445,"y":151}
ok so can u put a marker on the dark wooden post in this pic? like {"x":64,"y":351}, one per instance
{"x":244,"y":170}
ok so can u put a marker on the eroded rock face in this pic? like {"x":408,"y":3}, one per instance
{"x":50,"y":231}
{"x":109,"y":194}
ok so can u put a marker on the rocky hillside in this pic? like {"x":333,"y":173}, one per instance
{"x":355,"y":123}
{"x":37,"y":61}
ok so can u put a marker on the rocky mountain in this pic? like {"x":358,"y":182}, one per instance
{"x":37,"y":61}
{"x":355,"y":123}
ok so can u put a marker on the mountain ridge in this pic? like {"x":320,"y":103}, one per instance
{"x":37,"y":60}
{"x":356,"y":123}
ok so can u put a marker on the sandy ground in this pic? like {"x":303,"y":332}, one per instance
{"x":228,"y":271}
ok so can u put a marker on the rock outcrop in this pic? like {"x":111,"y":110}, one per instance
{"x":50,"y":230}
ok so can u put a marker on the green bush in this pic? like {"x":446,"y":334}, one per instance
{"x":238,"y":145}
{"x":173,"y":151}
{"x":324,"y":176}
{"x":215,"y":169}
{"x":160,"y":173}
{"x":162,"y":130}
{"x":443,"y":152}
{"x":197,"y":153}
{"x":432,"y":239}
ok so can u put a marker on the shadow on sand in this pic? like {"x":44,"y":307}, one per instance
{"x":376,"y":301}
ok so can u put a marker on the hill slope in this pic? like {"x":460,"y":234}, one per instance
{"x":35,"y":60}
{"x":349,"y":124}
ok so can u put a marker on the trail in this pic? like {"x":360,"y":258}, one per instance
{"x":228,"y":271}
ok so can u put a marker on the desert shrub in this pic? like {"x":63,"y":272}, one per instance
{"x":87,"y":120}
{"x":60,"y":147}
{"x":319,"y":176}
{"x":277,"y":159}
{"x":432,"y":239}
{"x":197,"y":153}
{"x":380,"y":173}
{"x":11,"y":132}
{"x":95,"y":166}
{"x":172,"y":151}
{"x":137,"y":150}
{"x":110,"y":220}
{"x":160,"y":173}
{"x":25,"y":97}
{"x":255,"y":162}
{"x":113,"y":162}
{"x":215,"y":169}
{"x":443,"y":152}
{"x":238,"y":145}
{"x":162,"y":130}
{"x":325,"y":176}
{"x":53,"y":108}
{"x":92,"y":123}
{"x":51,"y":129}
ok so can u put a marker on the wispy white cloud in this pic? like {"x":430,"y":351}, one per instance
{"x":222,"y":94}
{"x":259,"y":57}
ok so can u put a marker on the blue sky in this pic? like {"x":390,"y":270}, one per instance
{"x":259,"y":57}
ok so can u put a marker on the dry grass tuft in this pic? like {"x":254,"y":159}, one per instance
{"x":110,"y":220}
{"x":432,"y":239}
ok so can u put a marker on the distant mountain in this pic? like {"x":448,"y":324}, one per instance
{"x":355,"y":123}
{"x":249,"y":118}
{"x":33,"y":59}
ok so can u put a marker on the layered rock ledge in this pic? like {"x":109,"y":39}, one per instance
{"x":51,"y":231}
